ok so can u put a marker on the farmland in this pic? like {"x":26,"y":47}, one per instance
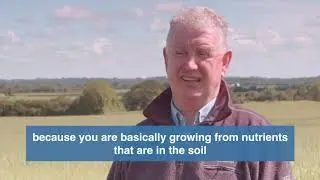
{"x":305,"y":115}
{"x":37,"y":96}
{"x":47,"y":96}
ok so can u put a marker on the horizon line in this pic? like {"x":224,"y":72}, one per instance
{"x":148,"y":77}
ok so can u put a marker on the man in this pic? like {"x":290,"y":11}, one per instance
{"x":196,"y":59}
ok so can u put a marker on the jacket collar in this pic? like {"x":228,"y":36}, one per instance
{"x":200,"y":116}
{"x":159,"y":110}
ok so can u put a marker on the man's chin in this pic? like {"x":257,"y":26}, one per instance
{"x":192,"y":94}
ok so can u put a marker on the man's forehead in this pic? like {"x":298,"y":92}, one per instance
{"x":194,"y":35}
{"x":194,"y":28}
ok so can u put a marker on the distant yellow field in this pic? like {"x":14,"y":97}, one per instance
{"x":304,"y":115}
{"x":46,"y":96}
{"x":37,"y":96}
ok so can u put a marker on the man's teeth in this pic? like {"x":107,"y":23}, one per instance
{"x":191,"y":79}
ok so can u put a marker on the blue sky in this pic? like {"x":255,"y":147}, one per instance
{"x":96,"y":38}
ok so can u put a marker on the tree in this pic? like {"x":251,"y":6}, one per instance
{"x":268,"y":94}
{"x":315,"y":92}
{"x":303,"y":92}
{"x":141,"y":94}
{"x":97,"y":97}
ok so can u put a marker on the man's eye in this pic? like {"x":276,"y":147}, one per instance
{"x":179,"y":53}
{"x":203,"y":53}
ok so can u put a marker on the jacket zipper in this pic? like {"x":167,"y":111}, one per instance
{"x":179,"y":169}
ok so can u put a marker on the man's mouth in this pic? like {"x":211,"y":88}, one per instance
{"x":190,"y":79}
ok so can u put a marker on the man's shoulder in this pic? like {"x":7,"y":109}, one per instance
{"x":145,"y":122}
{"x":246,"y":116}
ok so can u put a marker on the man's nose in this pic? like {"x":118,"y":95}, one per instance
{"x":191,"y":63}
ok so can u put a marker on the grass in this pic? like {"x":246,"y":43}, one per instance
{"x":48,"y":96}
{"x":37,"y":96}
{"x":304,"y":115}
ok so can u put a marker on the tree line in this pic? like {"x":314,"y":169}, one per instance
{"x":99,"y":97}
{"x":75,"y":85}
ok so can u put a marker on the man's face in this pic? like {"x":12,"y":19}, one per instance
{"x":195,"y":62}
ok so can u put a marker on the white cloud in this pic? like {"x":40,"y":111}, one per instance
{"x":161,"y":43}
{"x":280,"y":26}
{"x":139,"y":12}
{"x":13,"y":36}
{"x":9,"y":37}
{"x":54,"y":51}
{"x":100,"y":46}
{"x":50,"y":31}
{"x":302,"y":38}
{"x":159,"y":25}
{"x":274,"y":37}
{"x":169,"y":7}
{"x":240,"y":37}
{"x":74,"y":51}
{"x":278,"y":32}
{"x":245,"y":41}
{"x":75,"y":13}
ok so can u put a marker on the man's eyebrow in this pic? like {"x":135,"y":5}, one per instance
{"x":201,"y":43}
{"x":175,"y":47}
{"x":206,"y":47}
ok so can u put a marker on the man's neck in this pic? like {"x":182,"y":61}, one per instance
{"x":190,"y":107}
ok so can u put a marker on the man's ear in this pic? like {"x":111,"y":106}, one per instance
{"x":165,"y":56}
{"x":226,"y":62}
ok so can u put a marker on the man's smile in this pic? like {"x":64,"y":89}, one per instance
{"x":191,"y":78}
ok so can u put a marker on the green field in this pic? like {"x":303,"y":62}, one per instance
{"x":37,"y":96}
{"x":304,"y":115}
{"x":47,"y":96}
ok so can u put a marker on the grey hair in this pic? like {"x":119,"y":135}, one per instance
{"x":200,"y":17}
